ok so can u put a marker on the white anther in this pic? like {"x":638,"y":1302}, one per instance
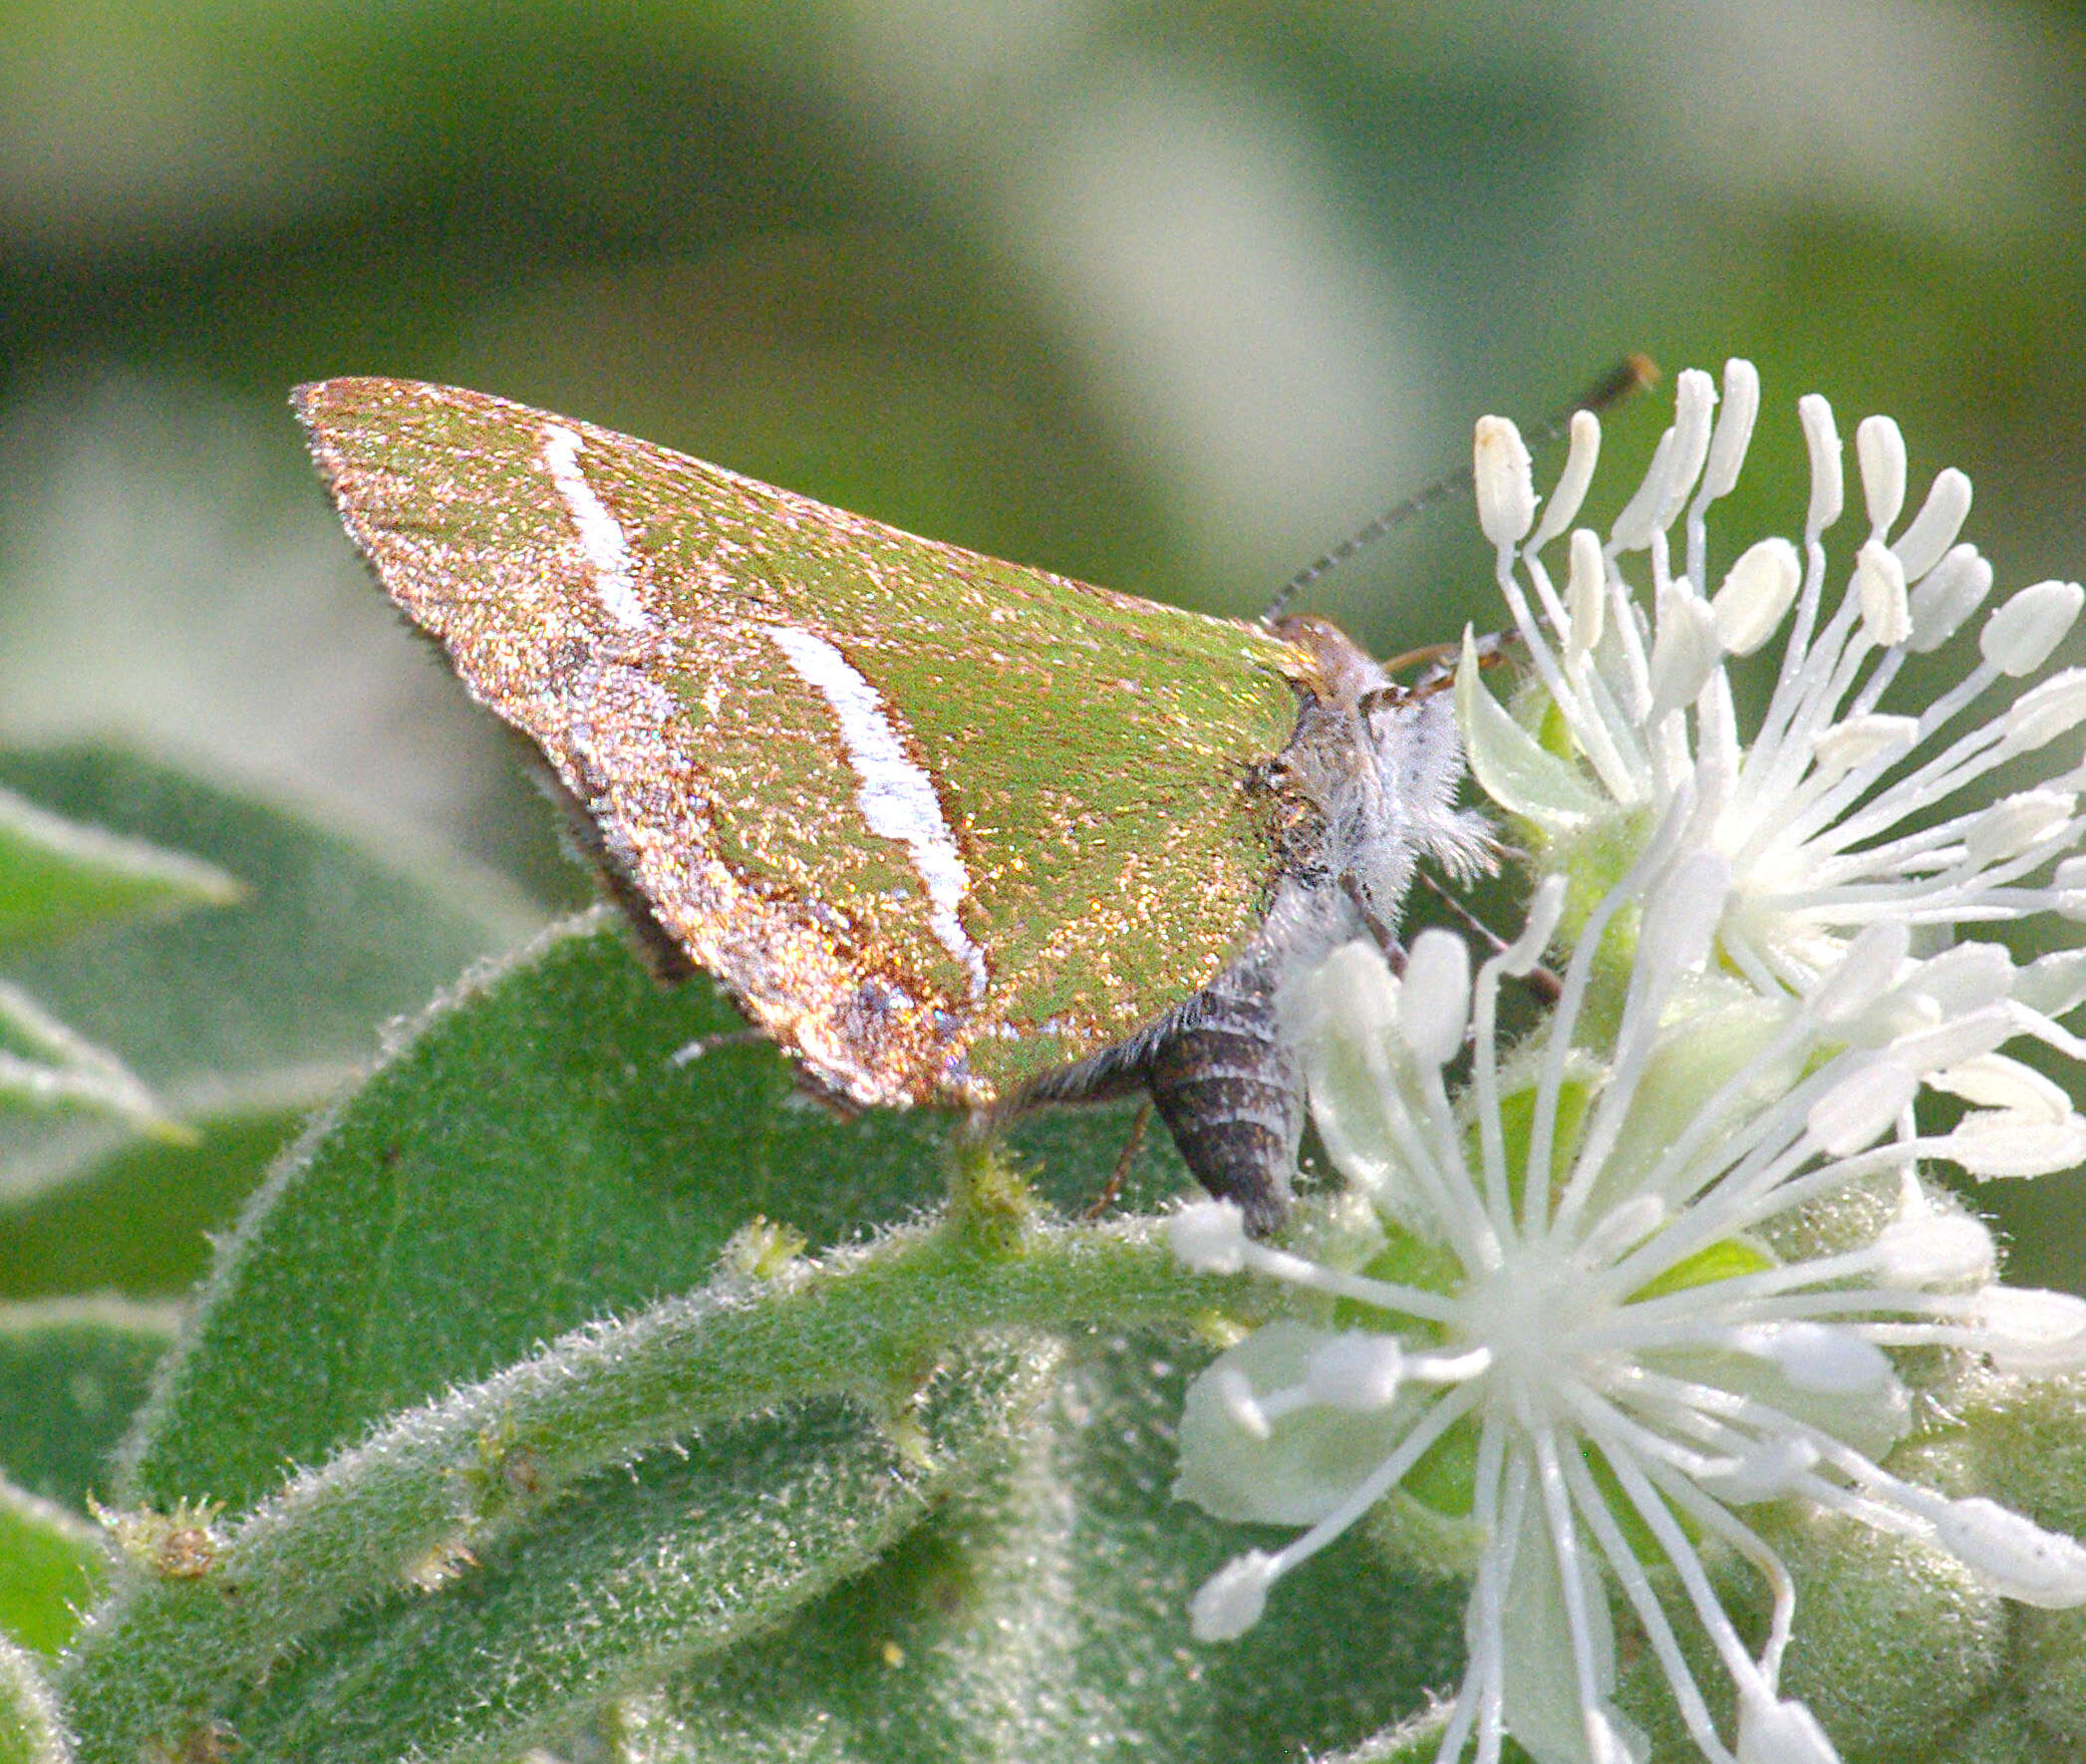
{"x":1506,"y":482}
{"x":1758,"y":591}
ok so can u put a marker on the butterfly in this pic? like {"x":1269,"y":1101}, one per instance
{"x":952,"y":832}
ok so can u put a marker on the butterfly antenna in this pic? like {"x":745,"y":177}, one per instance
{"x":1631,"y":375}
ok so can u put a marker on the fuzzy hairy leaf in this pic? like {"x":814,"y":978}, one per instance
{"x":331,"y":939}
{"x":31,"y":1729}
{"x":528,"y":1159}
{"x":683,"y":1554}
{"x":234,"y":1021}
{"x":1043,"y":1617}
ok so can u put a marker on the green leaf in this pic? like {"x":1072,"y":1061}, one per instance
{"x":47,"y":1069}
{"x":58,"y":876}
{"x":72,"y":1374}
{"x":1044,"y":1616}
{"x":51,"y":1566}
{"x":685,"y":1553}
{"x":331,"y":939}
{"x":31,"y":1730}
{"x":226,"y":1012}
{"x":528,"y":1159}
{"x":102,"y":1209}
{"x":220,"y":1603}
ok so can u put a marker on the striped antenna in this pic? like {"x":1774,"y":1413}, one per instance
{"x":1631,"y":375}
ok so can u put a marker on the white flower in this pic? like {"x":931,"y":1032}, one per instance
{"x":1583,"y":1315}
{"x":1834,"y":812}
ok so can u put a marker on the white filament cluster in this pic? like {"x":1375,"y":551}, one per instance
{"x":1837,"y":812}
{"x":1630,"y":1325}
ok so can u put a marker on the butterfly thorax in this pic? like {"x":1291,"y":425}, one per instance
{"x":1365,"y":790}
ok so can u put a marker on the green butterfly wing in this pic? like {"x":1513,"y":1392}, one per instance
{"x":942,"y":824}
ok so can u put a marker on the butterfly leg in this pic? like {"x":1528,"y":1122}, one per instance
{"x":1132,"y":1142}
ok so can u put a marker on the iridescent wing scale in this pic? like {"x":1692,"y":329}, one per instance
{"x":942,"y":826}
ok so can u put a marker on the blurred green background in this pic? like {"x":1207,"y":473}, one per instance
{"x":1166,"y":296}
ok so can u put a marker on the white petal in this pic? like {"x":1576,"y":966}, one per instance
{"x":2014,"y":1554}
{"x":1355,"y":1370}
{"x":1822,"y":443}
{"x":1951,"y":591}
{"x":1510,"y":764}
{"x":1571,"y":487}
{"x":1879,"y":446}
{"x":1309,"y":1457}
{"x":1544,"y":1709}
{"x":1862,"y":1107}
{"x":1758,"y":592}
{"x":2033,"y":1332}
{"x":1933,"y":530}
{"x":1208,"y":1237}
{"x":1232,"y":1599}
{"x":1233,"y":1393}
{"x":1611,"y":1738}
{"x":2048,"y":708}
{"x":2018,"y":638}
{"x":1879,"y":579}
{"x":1434,"y":999}
{"x":1734,"y":427}
{"x":1506,"y":484}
